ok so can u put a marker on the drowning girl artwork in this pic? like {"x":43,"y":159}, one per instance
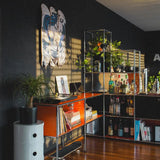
{"x":53,"y":37}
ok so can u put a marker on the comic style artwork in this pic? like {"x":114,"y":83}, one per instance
{"x":52,"y":37}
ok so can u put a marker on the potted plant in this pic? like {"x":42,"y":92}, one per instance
{"x":151,"y":82}
{"x":127,"y":66}
{"x":114,"y":57}
{"x":30,"y":87}
{"x":94,"y":53}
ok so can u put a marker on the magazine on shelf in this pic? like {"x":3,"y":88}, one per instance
{"x":73,"y":118}
{"x":142,"y":131}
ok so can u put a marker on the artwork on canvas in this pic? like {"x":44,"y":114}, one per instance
{"x":62,"y":85}
{"x":52,"y":37}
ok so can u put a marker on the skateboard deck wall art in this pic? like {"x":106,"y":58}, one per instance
{"x":53,"y":37}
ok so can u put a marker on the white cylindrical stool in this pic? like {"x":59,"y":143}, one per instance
{"x":28,"y":141}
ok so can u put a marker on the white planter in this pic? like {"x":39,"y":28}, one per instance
{"x":28,"y":141}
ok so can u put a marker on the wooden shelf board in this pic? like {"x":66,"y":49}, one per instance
{"x":120,"y":138}
{"x":116,"y":116}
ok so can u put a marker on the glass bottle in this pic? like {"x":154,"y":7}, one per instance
{"x":117,"y":106}
{"x":122,"y":106}
{"x":111,"y":106}
{"x":110,"y":128}
{"x":111,"y":86}
{"x":120,"y":128}
{"x":127,"y":107}
{"x":115,"y":131}
{"x":131,"y":128}
{"x":131,"y":108}
{"x":126,"y":128}
{"x":132,"y":87}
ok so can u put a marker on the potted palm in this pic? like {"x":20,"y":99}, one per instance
{"x":30,"y":87}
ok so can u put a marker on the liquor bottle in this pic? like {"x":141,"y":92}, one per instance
{"x":120,"y":128}
{"x":131,"y":128}
{"x":124,"y":87}
{"x":121,"y":88}
{"x":131,"y":108}
{"x":111,"y":106}
{"x":117,"y":107}
{"x":116,"y":87}
{"x":110,"y":128}
{"x":122,"y":106}
{"x":126,"y":128}
{"x":115,"y":130}
{"x":111,"y":86}
{"x":127,"y":107}
{"x":132,"y":87}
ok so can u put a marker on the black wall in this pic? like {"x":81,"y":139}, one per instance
{"x":18,"y":23}
{"x":152,"y":47}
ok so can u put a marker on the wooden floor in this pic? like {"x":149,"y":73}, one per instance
{"x":106,"y":149}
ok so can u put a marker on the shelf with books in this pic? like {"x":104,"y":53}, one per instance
{"x":49,"y":113}
{"x":80,"y":125}
{"x":147,"y":130}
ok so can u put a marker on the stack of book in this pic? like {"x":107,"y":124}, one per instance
{"x":142,"y":132}
{"x":68,"y":120}
{"x":94,"y":114}
{"x":88,"y":113}
{"x":92,"y":127}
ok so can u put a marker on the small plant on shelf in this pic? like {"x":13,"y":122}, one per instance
{"x":95,"y":51}
{"x":114,"y":57}
{"x":152,"y":81}
{"x":127,"y":66}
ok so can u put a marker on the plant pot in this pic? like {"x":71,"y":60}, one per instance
{"x":127,"y":69}
{"x":28,"y":115}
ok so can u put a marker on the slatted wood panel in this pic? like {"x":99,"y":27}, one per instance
{"x":131,"y":58}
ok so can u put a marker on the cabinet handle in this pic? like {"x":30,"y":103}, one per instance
{"x":34,"y":153}
{"x":34,"y":135}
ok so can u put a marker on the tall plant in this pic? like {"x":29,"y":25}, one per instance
{"x":31,"y":87}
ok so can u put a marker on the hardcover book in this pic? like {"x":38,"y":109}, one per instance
{"x":137,"y":130}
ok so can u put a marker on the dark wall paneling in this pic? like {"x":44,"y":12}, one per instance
{"x":152,"y":48}
{"x":20,"y":20}
{"x":143,"y":110}
{"x":0,"y":83}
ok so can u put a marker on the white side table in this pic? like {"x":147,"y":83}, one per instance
{"x":28,"y":141}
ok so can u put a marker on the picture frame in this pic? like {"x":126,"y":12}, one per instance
{"x":62,"y":85}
